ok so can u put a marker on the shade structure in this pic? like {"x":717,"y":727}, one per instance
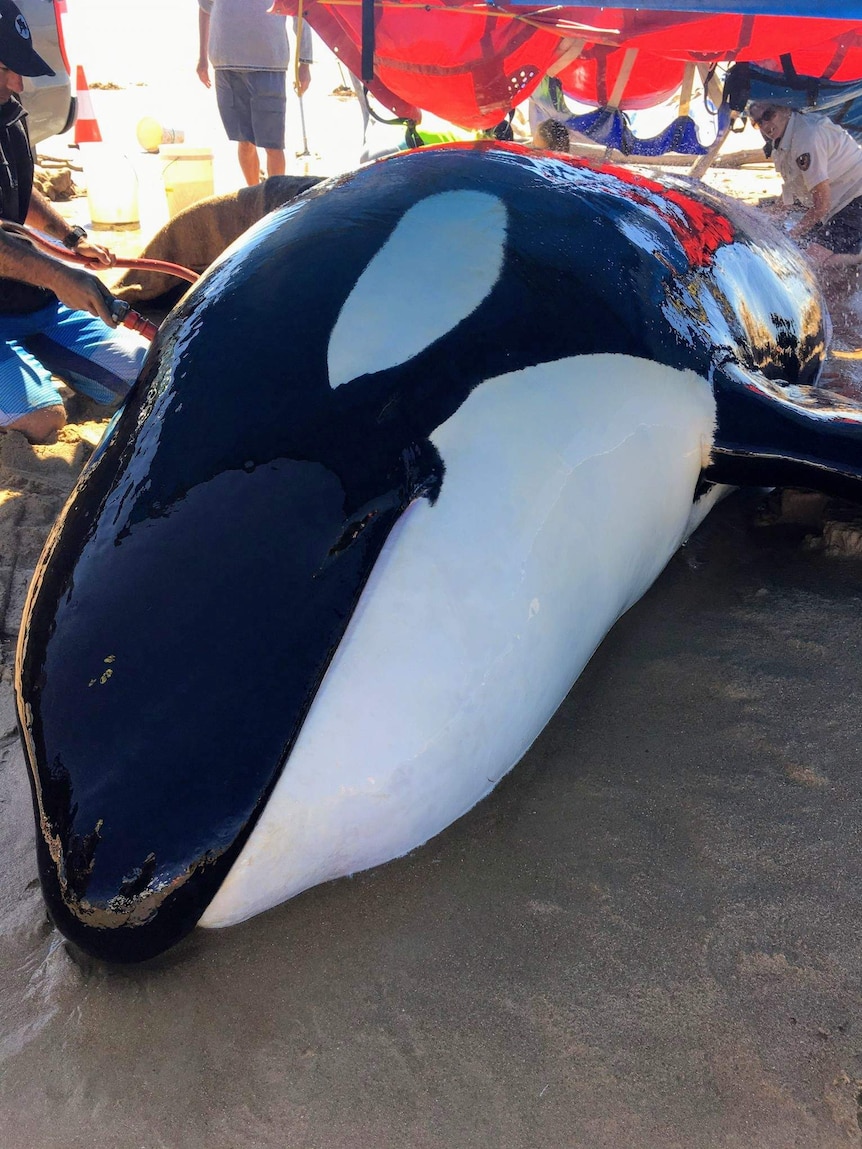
{"x":471,"y":63}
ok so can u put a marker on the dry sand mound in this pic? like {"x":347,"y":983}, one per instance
{"x":34,"y":484}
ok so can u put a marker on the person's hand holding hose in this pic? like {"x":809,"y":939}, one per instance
{"x":80,"y":290}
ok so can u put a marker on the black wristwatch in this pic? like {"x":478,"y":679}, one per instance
{"x":72,"y":238}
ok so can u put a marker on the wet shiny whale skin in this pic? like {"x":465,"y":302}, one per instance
{"x":303,"y":416}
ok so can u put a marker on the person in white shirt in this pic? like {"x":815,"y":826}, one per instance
{"x":820,"y":165}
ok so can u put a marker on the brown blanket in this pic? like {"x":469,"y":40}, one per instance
{"x":200,"y":233}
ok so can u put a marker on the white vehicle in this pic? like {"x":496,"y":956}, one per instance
{"x":51,"y":106}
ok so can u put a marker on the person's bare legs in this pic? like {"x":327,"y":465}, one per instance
{"x":249,"y":162}
{"x":275,"y":161}
{"x":40,"y":426}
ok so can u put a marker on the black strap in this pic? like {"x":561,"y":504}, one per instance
{"x":367,"y":41}
{"x":503,"y":130}
{"x":411,"y":135}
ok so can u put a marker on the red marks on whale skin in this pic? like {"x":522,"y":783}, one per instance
{"x":700,"y":229}
{"x":709,"y":230}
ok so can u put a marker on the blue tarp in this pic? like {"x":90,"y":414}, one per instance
{"x":842,"y":102}
{"x":611,"y":128}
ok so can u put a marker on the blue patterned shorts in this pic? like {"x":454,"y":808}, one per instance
{"x":91,"y":357}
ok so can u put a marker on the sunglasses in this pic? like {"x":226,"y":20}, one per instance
{"x":766,"y":118}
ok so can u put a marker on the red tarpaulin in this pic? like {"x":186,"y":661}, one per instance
{"x":470,"y":64}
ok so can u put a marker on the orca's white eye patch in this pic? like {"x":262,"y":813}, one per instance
{"x":440,"y":262}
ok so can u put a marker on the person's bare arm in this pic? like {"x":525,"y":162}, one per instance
{"x":43,"y":216}
{"x":304,"y":57}
{"x":303,"y":79}
{"x":203,"y":68}
{"x":78,"y":289}
{"x":821,"y":194}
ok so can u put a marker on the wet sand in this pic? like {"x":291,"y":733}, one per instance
{"x":649,"y":935}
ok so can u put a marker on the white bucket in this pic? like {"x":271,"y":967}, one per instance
{"x":187,"y":173}
{"x":112,"y":188}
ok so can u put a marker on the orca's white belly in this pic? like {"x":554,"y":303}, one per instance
{"x":568,"y":486}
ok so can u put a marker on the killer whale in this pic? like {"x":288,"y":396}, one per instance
{"x":391,"y":471}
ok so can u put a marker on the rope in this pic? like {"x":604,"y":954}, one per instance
{"x":412,"y":137}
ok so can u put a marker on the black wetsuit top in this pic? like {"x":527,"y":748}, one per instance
{"x":16,"y":187}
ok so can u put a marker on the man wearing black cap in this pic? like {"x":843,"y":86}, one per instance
{"x":53,"y":317}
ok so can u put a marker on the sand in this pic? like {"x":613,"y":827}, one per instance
{"x":647,"y":936}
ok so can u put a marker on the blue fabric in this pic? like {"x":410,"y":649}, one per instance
{"x":91,"y":357}
{"x":842,"y":102}
{"x":610,"y":126}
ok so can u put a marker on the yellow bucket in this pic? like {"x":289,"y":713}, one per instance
{"x":187,"y":173}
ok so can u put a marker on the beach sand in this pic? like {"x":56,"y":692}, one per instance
{"x":647,"y":936}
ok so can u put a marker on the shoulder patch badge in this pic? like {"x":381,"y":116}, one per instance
{"x":804,"y":161}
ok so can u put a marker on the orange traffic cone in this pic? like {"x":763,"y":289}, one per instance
{"x":86,"y":125}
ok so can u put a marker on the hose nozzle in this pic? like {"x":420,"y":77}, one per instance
{"x":124,"y":315}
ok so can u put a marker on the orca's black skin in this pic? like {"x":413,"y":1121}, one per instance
{"x":203,"y":573}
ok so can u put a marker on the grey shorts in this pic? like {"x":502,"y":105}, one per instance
{"x":843,"y":232}
{"x":251,"y":105}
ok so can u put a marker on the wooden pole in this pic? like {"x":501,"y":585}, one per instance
{"x":702,"y":163}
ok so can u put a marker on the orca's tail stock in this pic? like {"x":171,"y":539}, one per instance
{"x":771,"y":434}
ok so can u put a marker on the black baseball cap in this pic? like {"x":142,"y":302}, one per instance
{"x":16,"y":44}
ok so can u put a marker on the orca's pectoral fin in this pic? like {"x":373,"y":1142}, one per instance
{"x":773,"y":434}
